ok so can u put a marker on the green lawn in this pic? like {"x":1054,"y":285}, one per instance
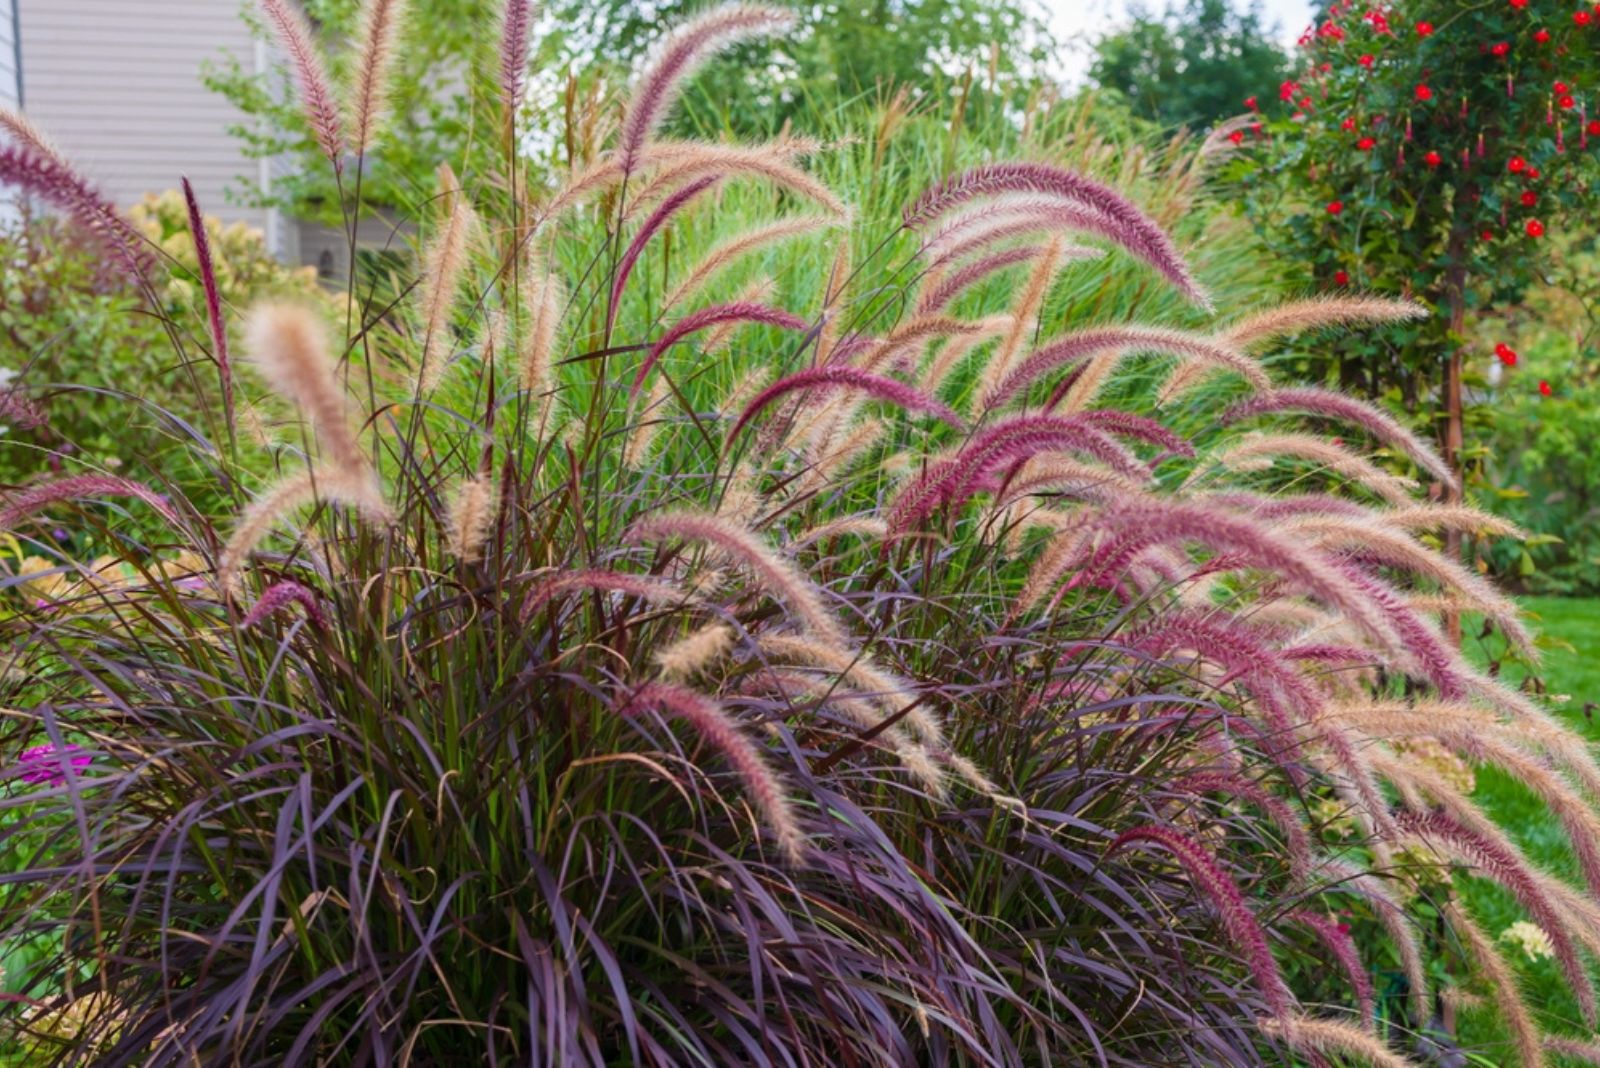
{"x":1571,"y":628}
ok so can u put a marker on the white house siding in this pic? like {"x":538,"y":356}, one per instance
{"x":117,"y":84}
{"x":10,"y":91}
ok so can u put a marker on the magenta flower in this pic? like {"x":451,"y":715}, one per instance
{"x":45,"y":764}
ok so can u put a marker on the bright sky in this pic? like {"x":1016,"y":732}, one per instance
{"x":1079,"y":22}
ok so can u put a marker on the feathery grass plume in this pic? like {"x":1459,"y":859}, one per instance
{"x":208,"y":282}
{"x":644,"y":421}
{"x":863,"y":526}
{"x":334,"y":484}
{"x":544,"y":299}
{"x":855,"y":669}
{"x":17,"y":411}
{"x":22,"y":130}
{"x":1135,"y":231}
{"x":1330,"y":405}
{"x":1336,"y":938}
{"x":51,"y":180}
{"x":20,"y":504}
{"x":442,"y":263}
{"x":1140,"y":428}
{"x":1373,"y":538}
{"x":758,"y":291}
{"x":778,"y":575}
{"x":516,"y":30}
{"x":1126,"y":340}
{"x":825,"y":459}
{"x":1261,"y":449}
{"x":647,"y":230}
{"x":1067,"y":477}
{"x":975,"y":231}
{"x":714,"y":315}
{"x":696,"y":653}
{"x":644,"y":587}
{"x":713,"y":724}
{"x":1345,"y":877}
{"x":316,"y":98}
{"x":941,"y":293}
{"x":1501,"y":980}
{"x":872,"y":353}
{"x":471,"y":515}
{"x":1297,"y":837}
{"x":1485,"y":847}
{"x":1317,"y":314}
{"x":742,"y":245}
{"x":677,"y":58}
{"x":380,"y":22}
{"x":1244,"y":931}
{"x":838,"y":278}
{"x":1024,"y":312}
{"x":847,"y":378}
{"x":1588,"y":1052}
{"x":1312,"y":1037}
{"x":959,"y":348}
{"x":289,"y":346}
{"x":1460,"y":517}
{"x":687,"y":162}
{"x":281,"y":595}
{"x":1136,"y":526}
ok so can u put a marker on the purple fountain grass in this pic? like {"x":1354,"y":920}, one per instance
{"x":1138,"y":427}
{"x":644,"y":587}
{"x":22,"y":130}
{"x":1243,"y":929}
{"x":288,"y":344}
{"x":1336,"y":937}
{"x":29,"y":500}
{"x":19,"y":412}
{"x":1320,"y":313}
{"x":51,"y":180}
{"x":1297,"y":838}
{"x":1422,"y":644}
{"x":976,"y":231}
{"x":947,"y":289}
{"x":715,"y":315}
{"x":281,"y":595}
{"x":835,"y":377}
{"x":778,"y":575}
{"x":648,"y":229}
{"x":680,"y":54}
{"x":208,"y":282}
{"x":1330,"y":405}
{"x":1136,"y":232}
{"x":713,"y":724}
{"x":1086,"y":343}
{"x":1497,"y":862}
{"x":316,"y":98}
{"x":516,"y":31}
{"x":380,"y":23}
{"x":46,"y":765}
{"x":1135,"y":527}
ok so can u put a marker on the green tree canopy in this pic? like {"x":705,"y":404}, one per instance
{"x":1191,"y":66}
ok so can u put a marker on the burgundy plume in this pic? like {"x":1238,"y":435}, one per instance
{"x":208,"y":281}
{"x":1296,"y":836}
{"x":315,"y":95}
{"x":1336,"y":936}
{"x":1244,"y":931}
{"x":1330,"y":405}
{"x":17,"y":411}
{"x":1136,"y":232}
{"x":838,"y":377}
{"x":1138,"y":427}
{"x":658,"y":218}
{"x":683,"y":51}
{"x":1424,"y":645}
{"x":739,"y":311}
{"x":281,"y":595}
{"x":53,"y":182}
{"x":958,"y":282}
{"x":603,"y":580}
{"x":516,"y":27}
{"x":30,"y":499}
{"x":1085,"y":343}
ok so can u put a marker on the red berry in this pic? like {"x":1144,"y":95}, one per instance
{"x":1424,"y":93}
{"x":1519,"y":4}
{"x":1250,"y":102}
{"x":1542,"y":36}
{"x":1535,"y":228}
{"x":1582,"y":18}
{"x":1594,"y":127}
{"x":1348,"y":124}
{"x":1341,"y":278}
{"x":1560,"y":87}
{"x":1335,"y":207}
{"x":1237,"y":137}
{"x":1516,"y":165}
{"x":1487,"y":235}
{"x":1366,"y":144}
{"x":1367,"y":60}
{"x":1509,"y":357}
{"x":1432,"y":159}
{"x":1533,"y":172}
{"x":1544,"y":387}
{"x":1529,"y":198}
{"x":1424,"y":29}
{"x":1500,"y":48}
{"x":1567,"y":102}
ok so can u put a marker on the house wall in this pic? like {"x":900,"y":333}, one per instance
{"x":116,"y":83}
{"x":10,"y":91}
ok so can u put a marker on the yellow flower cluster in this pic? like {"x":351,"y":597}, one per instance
{"x":1530,"y":939}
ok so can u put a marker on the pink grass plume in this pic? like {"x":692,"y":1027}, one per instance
{"x":835,"y":377}
{"x":602,"y":580}
{"x":51,"y":180}
{"x":40,"y":495}
{"x":739,"y":311}
{"x":516,"y":30}
{"x":281,"y":595}
{"x":659,"y":218}
{"x":208,"y":282}
{"x":316,"y":97}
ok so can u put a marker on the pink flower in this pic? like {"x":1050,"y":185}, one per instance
{"x":43,"y":764}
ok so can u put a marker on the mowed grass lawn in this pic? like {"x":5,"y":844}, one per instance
{"x":1571,"y":668}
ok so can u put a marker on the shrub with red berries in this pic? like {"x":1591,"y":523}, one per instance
{"x":1456,"y":150}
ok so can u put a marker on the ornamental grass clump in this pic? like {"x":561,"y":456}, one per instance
{"x":630,"y":661}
